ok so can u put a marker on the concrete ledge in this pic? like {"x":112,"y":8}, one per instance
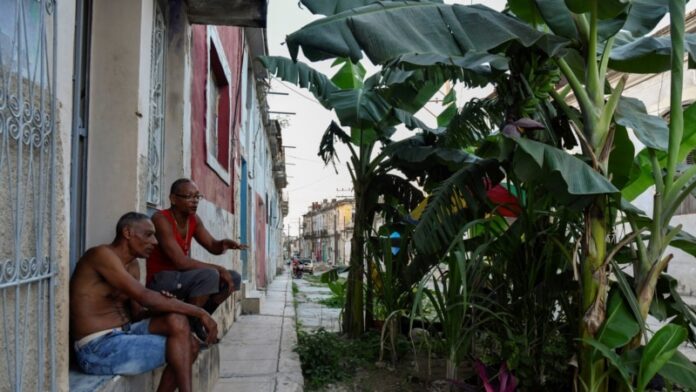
{"x":205,"y":374}
{"x":206,"y":369}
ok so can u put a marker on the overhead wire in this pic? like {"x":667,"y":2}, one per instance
{"x":315,"y":182}
{"x":313,"y":100}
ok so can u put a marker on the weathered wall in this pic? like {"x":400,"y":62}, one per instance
{"x":177,"y":135}
{"x":221,"y":224}
{"x":210,"y":184}
{"x":260,"y":240}
{"x":119,"y":94}
{"x":64,"y":86}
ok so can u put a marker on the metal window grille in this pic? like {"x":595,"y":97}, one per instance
{"x":157,"y":102}
{"x":27,"y":195}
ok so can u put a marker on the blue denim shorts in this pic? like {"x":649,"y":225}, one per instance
{"x":123,"y":352}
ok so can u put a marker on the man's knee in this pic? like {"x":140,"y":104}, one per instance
{"x":201,"y":282}
{"x":177,"y":323}
{"x":208,"y":275}
{"x":236,"y":281}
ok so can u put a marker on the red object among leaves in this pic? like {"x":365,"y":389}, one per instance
{"x":506,"y":381}
{"x":506,"y":203}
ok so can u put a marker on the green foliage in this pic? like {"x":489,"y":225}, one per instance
{"x":550,"y":164}
{"x":659,"y":350}
{"x":523,"y":273}
{"x":338,"y":294}
{"x":328,"y":357}
{"x":332,"y":7}
{"x":461,"y":307}
{"x":530,"y":270}
{"x":387,"y":30}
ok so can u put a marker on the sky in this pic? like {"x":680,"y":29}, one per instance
{"x":309,"y":180}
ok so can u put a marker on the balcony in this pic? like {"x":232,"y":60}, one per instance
{"x":243,"y":13}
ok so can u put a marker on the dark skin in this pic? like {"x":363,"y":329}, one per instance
{"x":183,"y":205}
{"x":104,"y":286}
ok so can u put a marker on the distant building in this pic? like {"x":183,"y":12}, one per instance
{"x":327,"y":231}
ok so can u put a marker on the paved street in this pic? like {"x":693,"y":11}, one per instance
{"x":311,"y":313}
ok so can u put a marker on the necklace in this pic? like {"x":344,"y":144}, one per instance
{"x":179,"y":228}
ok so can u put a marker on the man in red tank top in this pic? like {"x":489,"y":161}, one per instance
{"x":170,"y":266}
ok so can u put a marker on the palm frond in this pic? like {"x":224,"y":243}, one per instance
{"x":399,"y":189}
{"x":459,"y":199}
{"x":302,"y":75}
{"x":474,"y":122}
{"x":327,"y":149}
{"x":333,"y":7}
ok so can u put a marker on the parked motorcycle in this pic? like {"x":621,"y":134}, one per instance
{"x":297,"y":269}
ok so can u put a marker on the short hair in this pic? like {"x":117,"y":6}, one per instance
{"x":127,"y":220}
{"x":176,"y":184}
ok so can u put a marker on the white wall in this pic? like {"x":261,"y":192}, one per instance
{"x":119,"y":114}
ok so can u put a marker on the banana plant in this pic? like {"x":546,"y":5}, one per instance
{"x":586,"y":39}
{"x":362,"y":105}
{"x":454,"y":289}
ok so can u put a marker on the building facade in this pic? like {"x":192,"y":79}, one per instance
{"x":327,"y":230}
{"x":104,"y":104}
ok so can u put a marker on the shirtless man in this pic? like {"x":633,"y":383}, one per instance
{"x":170,"y":266}
{"x":107,"y":306}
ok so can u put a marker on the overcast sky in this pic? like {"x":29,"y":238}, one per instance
{"x":308,"y":179}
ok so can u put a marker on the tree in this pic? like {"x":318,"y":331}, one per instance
{"x":360,"y":105}
{"x":588,"y":39}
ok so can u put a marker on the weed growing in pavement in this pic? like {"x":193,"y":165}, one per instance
{"x":327,"y":357}
{"x":313,"y":280}
{"x":295,"y":289}
{"x":333,"y":302}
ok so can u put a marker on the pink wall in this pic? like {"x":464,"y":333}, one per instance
{"x":210,"y":184}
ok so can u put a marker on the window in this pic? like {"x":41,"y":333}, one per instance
{"x":156,"y":127}
{"x":217,"y":129}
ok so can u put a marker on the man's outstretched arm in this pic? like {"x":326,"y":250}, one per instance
{"x":210,"y":243}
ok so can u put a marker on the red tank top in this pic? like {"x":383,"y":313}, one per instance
{"x":158,"y":261}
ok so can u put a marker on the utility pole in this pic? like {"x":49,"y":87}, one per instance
{"x":299,"y":236}
{"x":335,"y":259}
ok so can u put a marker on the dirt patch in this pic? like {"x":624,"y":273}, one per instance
{"x":404,"y":377}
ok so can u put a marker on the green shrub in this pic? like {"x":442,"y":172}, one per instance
{"x":327,"y":357}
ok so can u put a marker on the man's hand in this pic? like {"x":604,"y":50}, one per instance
{"x":231,"y":244}
{"x":167,"y":294}
{"x":211,"y":328}
{"x":227,"y":278}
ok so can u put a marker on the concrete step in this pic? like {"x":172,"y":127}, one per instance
{"x":252,"y":301}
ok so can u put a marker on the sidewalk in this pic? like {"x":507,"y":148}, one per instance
{"x":257,"y":353}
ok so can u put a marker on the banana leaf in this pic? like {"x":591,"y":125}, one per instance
{"x":333,"y":7}
{"x":387,"y":30}
{"x":578,"y":177}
